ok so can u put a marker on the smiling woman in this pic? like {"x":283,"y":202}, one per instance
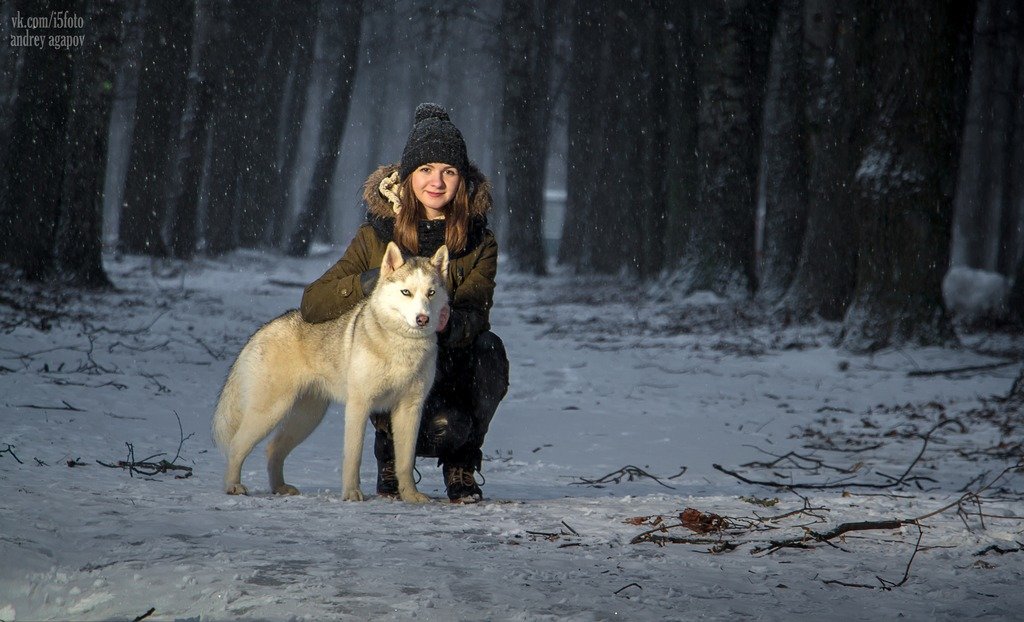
{"x":433,"y":197}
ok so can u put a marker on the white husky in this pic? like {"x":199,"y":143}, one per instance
{"x":380,"y":356}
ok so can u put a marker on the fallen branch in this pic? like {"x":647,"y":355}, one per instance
{"x":918,"y":373}
{"x":10,"y":450}
{"x":146,"y":466}
{"x":145,"y":615}
{"x":629,"y":472}
{"x":995,"y":548}
{"x":839,"y":530}
{"x":66,"y":406}
{"x":845,"y":482}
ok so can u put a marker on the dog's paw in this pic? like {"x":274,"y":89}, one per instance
{"x":352,"y":495}
{"x":286,"y":489}
{"x":236,"y":489}
{"x":415,"y":497}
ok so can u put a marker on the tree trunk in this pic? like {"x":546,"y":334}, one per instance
{"x":618,"y":185}
{"x":720,"y":250}
{"x":904,"y":183}
{"x":987,"y":147}
{"x":1015,"y":301}
{"x":180,"y":227}
{"x":652,"y":135}
{"x":530,"y":27}
{"x":583,"y":130}
{"x":32,"y":177}
{"x":824,"y":279}
{"x":78,"y":252}
{"x":684,"y":107}
{"x":231,"y":126}
{"x":292,"y":112}
{"x":10,"y":67}
{"x":1011,"y":222}
{"x":344,"y":32}
{"x":161,"y":97}
{"x":785,"y":157}
{"x":272,"y":26}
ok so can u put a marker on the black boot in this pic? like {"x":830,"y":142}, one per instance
{"x":460,"y":484}
{"x":384,"y":451}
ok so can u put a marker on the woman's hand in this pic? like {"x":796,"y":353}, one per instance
{"x":442,"y":318}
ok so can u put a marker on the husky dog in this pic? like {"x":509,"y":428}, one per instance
{"x":380,"y":356}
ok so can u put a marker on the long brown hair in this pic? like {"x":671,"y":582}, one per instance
{"x":456,"y":231}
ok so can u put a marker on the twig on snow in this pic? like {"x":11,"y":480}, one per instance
{"x":66,"y":406}
{"x":845,"y":482}
{"x":629,"y":472}
{"x":10,"y":450}
{"x":145,"y":615}
{"x":918,"y":373}
{"x":146,"y":466}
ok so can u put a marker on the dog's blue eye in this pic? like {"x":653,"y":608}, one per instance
{"x":406,"y":292}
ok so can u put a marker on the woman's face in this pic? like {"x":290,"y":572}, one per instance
{"x":434,"y":185}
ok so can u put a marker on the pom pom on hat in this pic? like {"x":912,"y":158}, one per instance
{"x":430,"y":111}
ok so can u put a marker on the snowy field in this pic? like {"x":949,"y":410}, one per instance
{"x":604,"y":386}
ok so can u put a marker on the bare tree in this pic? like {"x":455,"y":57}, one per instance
{"x":180,"y":223}
{"x":78,"y":247}
{"x":683,"y":51}
{"x":824,"y":277}
{"x":233,"y":67}
{"x":343,"y":31}
{"x":720,"y":252}
{"x":167,"y":30}
{"x":526,"y":117}
{"x":990,"y":194}
{"x":785,"y":156}
{"x":903,"y":186}
{"x":293,"y":107}
{"x":29,"y":196}
{"x":588,"y":44}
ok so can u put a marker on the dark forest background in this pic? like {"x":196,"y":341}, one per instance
{"x":825,"y":159}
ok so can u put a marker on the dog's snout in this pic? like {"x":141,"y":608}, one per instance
{"x":422,"y":319}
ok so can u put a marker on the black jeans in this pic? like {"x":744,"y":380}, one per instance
{"x":469,"y":385}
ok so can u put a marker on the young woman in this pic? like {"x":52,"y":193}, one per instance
{"x":434,"y":196}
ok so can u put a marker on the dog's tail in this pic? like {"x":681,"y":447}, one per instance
{"x":228,"y":416}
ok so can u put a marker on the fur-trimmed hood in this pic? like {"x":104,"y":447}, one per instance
{"x":380,"y":192}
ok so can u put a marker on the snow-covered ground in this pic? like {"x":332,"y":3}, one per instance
{"x":601,"y":381}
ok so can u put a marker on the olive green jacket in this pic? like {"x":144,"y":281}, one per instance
{"x":470,"y":276}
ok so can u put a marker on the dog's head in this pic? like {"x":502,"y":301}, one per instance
{"x":414,"y":288}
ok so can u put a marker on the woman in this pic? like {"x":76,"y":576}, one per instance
{"x":434,"y":196}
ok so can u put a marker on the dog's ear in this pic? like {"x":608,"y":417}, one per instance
{"x":392,"y":260}
{"x":440,"y":261}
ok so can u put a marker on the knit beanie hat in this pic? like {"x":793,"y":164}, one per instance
{"x":434,"y":138}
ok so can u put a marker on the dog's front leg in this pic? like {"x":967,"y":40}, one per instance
{"x":405,"y":425}
{"x":356,"y":415}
